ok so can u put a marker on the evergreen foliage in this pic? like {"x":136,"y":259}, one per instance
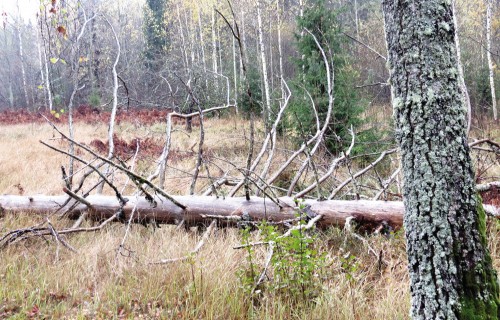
{"x":322,"y":22}
{"x":254,"y":105}
{"x":155,"y":33}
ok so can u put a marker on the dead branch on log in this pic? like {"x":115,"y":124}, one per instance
{"x":199,"y":158}
{"x":78,"y":198}
{"x":386,"y":183}
{"x":487,"y":186}
{"x":117,"y":166}
{"x":273,"y":133}
{"x":162,"y":162}
{"x":103,"y":177}
{"x":360,"y":173}
{"x":263,"y":149}
{"x":17,"y":235}
{"x":332,"y":167}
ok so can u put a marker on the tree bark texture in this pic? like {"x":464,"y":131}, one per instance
{"x":450,"y":267}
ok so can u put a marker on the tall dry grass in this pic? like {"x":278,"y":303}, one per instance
{"x":40,"y":280}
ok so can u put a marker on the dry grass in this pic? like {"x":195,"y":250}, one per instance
{"x":100,"y":283}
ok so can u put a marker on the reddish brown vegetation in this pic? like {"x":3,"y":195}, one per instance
{"x":124,"y":149}
{"x":148,"y":147}
{"x":87,"y":114}
{"x":491,"y":196}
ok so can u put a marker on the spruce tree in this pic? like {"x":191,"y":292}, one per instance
{"x":322,"y":22}
{"x":155,"y":34}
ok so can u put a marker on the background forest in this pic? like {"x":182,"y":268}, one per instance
{"x":65,"y":55}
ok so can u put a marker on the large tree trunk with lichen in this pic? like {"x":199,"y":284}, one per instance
{"x":450,"y":268}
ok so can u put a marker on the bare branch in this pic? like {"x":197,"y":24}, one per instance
{"x":360,"y":173}
{"x":195,"y":251}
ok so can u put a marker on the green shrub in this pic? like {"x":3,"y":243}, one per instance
{"x":94,"y":99}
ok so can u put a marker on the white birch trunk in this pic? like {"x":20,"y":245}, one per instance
{"x":214,"y":45}
{"x":181,"y":32}
{"x":264,"y":64}
{"x":46,"y":67}
{"x":202,"y":43}
{"x":489,"y":4}
{"x":235,"y":76}
{"x":463,"y":87}
{"x":21,"y":56}
{"x":280,"y":53}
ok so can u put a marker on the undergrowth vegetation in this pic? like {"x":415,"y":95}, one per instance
{"x":312,"y":274}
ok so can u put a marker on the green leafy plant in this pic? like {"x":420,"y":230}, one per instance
{"x":247,"y":274}
{"x":295,"y":265}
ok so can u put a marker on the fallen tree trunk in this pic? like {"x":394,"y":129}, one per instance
{"x":203,"y":209}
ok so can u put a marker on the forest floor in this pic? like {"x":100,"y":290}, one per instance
{"x":357,"y":278}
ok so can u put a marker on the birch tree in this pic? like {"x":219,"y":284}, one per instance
{"x":450,"y":268}
{"x":264,"y":65}
{"x":489,"y":4}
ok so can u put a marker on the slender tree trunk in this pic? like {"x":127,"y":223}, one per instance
{"x":271,"y":56}
{"x":280,"y":52}
{"x":40,"y":61}
{"x":46,"y":67}
{"x":264,"y":65}
{"x":235,"y":76}
{"x":450,"y":268}
{"x":301,"y":15}
{"x":114,"y":110}
{"x":489,"y":4}
{"x":214,"y":44}
{"x":11,"y":95}
{"x":202,"y":43}
{"x":190,"y":33}
{"x":219,"y":51}
{"x":463,"y":87}
{"x":243,"y":57}
{"x":184,"y":47}
{"x":21,"y":57}
{"x":356,"y":18}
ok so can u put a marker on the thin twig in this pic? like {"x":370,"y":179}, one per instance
{"x":301,"y":227}
{"x":263,"y":274}
{"x":200,"y":244}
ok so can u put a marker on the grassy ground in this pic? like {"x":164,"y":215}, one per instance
{"x":100,"y":282}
